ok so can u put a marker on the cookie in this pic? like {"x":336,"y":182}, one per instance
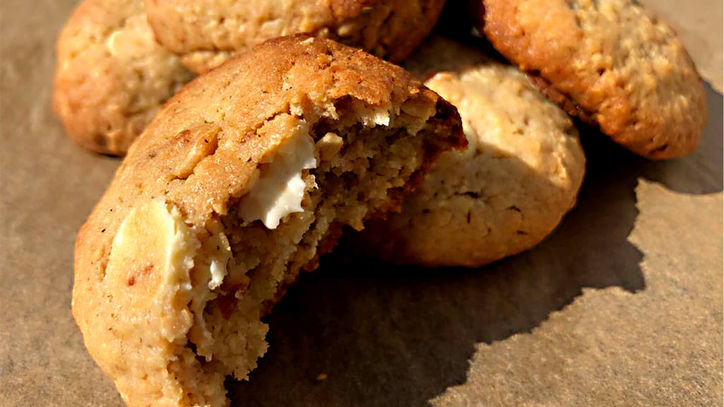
{"x":205,"y":33}
{"x":111,"y":76}
{"x":507,"y":191}
{"x":608,"y":63}
{"x":244,"y":177}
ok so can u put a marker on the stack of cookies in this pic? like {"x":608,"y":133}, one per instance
{"x":297,"y":129}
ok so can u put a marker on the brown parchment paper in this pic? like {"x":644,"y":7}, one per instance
{"x":622,"y":305}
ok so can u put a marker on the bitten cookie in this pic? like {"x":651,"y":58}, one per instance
{"x":111,"y":76}
{"x":205,"y":33}
{"x":519,"y":175}
{"x":244,"y":177}
{"x":608,"y":63}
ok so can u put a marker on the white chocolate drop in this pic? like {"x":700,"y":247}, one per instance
{"x":280,"y":188}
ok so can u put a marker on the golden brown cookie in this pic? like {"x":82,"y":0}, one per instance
{"x":111,"y":76}
{"x":205,"y":33}
{"x":244,"y":177}
{"x":609,"y":63}
{"x":519,"y":175}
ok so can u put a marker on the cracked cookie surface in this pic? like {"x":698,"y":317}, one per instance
{"x":609,"y":63}
{"x":206,"y":33}
{"x":519,"y":175}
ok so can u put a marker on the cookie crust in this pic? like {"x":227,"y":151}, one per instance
{"x":610,"y":64}
{"x":520,"y":174}
{"x":206,"y":33}
{"x":111,"y":76}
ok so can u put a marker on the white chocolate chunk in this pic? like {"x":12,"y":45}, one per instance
{"x":129,"y":41}
{"x":381,"y":117}
{"x":373,"y":116}
{"x":159,"y":236}
{"x":329,"y":145}
{"x":280,"y":188}
{"x":219,"y":259}
{"x":150,"y":261}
